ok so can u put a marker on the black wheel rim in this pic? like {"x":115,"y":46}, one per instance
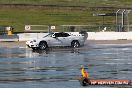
{"x":42,"y":46}
{"x":75,"y":44}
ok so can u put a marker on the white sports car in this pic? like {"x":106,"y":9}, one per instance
{"x":57,"y":39}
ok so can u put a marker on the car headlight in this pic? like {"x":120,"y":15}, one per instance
{"x":32,"y":41}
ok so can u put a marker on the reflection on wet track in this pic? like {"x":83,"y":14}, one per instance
{"x":54,"y":66}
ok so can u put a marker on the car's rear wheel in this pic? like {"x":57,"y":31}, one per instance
{"x":42,"y":45}
{"x":75,"y":44}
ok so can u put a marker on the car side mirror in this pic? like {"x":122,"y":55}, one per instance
{"x":53,"y":36}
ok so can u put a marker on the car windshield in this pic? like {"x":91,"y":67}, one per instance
{"x":48,"y":35}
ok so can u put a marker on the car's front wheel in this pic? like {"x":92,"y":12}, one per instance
{"x":75,"y":44}
{"x":42,"y":45}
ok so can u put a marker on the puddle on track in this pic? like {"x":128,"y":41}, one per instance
{"x":57,"y":68}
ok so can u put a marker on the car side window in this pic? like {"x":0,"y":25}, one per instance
{"x":57,"y":35}
{"x":61,"y":34}
{"x":65,"y":35}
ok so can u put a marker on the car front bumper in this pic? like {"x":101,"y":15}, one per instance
{"x":31,"y":44}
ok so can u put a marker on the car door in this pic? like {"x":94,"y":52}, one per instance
{"x":65,"y":39}
{"x":55,"y":39}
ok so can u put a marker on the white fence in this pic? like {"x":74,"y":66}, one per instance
{"x":109,"y":35}
{"x":29,"y":36}
{"x":91,"y":36}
